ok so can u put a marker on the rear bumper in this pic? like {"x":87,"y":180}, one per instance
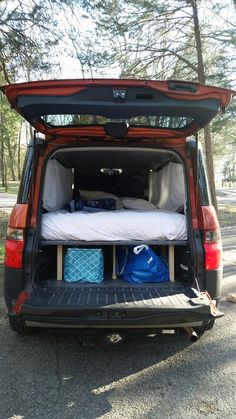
{"x":153,"y":320}
{"x":116,"y":307}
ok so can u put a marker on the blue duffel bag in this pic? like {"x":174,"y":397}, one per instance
{"x":84,"y":265}
{"x":141,"y":264}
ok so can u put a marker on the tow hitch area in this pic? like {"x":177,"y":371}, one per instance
{"x":91,"y":337}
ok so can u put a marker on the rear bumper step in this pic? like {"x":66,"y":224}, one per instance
{"x":101,"y":306}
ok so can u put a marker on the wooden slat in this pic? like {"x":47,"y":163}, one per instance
{"x":172,"y":263}
{"x":114,"y":262}
{"x":110,"y":243}
{"x":59,"y":262}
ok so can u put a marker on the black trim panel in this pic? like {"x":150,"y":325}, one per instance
{"x":100,"y":100}
{"x":13,"y":285}
{"x":214,"y":283}
{"x":26,"y":174}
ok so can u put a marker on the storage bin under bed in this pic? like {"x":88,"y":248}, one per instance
{"x":61,"y":247}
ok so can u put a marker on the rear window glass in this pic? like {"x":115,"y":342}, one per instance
{"x":152,"y":121}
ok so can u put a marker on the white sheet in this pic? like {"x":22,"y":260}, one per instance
{"x":57,"y":189}
{"x":114,"y":225}
{"x":167,"y":187}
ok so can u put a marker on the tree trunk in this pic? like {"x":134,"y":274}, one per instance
{"x":18,"y":152}
{"x":202,"y":79}
{"x":210,"y":166}
{"x":6,"y":177}
{"x":2,"y":171}
{"x":13,"y":175}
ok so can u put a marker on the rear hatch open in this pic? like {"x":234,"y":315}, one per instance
{"x":138,"y":108}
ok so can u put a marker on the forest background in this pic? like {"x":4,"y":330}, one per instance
{"x":162,"y":39}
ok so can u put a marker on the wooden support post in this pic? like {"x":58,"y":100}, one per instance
{"x":172,"y":263}
{"x":114,"y":262}
{"x":59,"y":262}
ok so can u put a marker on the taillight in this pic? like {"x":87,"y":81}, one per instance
{"x":212,"y":239}
{"x":14,"y":248}
{"x":213,"y":255}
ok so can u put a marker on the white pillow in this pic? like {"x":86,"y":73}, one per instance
{"x":101,"y":195}
{"x":137,"y":204}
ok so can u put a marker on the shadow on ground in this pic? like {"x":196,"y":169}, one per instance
{"x":51,"y":375}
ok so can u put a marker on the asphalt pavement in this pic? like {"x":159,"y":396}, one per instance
{"x":226,"y":196}
{"x":50,"y":375}
{"x":7,"y":200}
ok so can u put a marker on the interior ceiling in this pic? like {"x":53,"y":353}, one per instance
{"x":114,"y":158}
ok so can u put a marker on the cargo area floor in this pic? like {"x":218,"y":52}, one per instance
{"x":113,"y":294}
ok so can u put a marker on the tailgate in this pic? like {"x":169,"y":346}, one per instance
{"x":123,"y":306}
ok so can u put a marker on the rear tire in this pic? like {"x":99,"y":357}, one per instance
{"x":204,"y":328}
{"x":18,"y":326}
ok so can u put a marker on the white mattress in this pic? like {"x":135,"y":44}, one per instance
{"x":114,"y":225}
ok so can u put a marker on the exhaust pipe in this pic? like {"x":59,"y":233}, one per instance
{"x":191,"y":333}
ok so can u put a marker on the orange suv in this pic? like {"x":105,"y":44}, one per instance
{"x":133,"y":144}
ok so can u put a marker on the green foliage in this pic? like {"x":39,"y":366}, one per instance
{"x":10,"y":119}
{"x":156,"y":40}
{"x":9,"y":141}
{"x":29,"y":37}
{"x":29,"y":29}
{"x":229,"y":170}
{"x":13,"y":187}
{"x":131,"y":38}
{"x":3,"y":228}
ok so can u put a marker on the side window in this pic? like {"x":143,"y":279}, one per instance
{"x":23,"y":194}
{"x":203,"y":180}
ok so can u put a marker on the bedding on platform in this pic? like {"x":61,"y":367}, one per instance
{"x":114,"y":225}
